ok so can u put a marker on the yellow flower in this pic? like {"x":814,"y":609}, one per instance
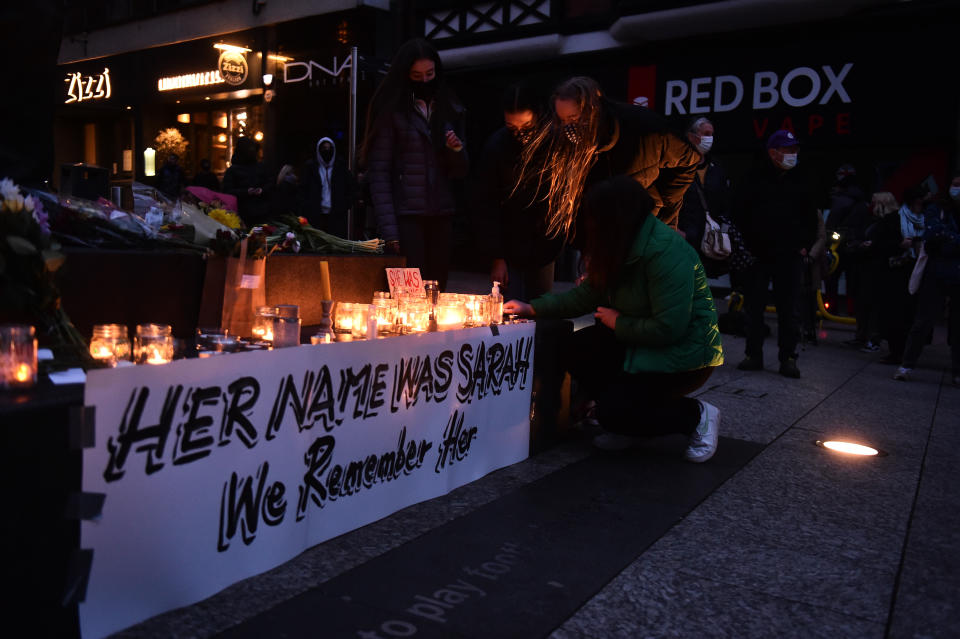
{"x":228,"y":219}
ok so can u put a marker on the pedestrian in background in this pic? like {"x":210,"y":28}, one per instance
{"x":329,"y":189}
{"x":875,"y":241}
{"x":776,"y":213}
{"x":413,"y":147}
{"x":205,"y":177}
{"x":899,"y":306}
{"x":171,"y":180}
{"x":846,"y":199}
{"x":656,"y":340}
{"x":710,"y":191}
{"x":509,"y":218}
{"x":940,"y":282}
{"x":247,"y":180}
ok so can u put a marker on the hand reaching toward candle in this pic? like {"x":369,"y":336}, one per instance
{"x":516,"y":307}
{"x":607,"y":316}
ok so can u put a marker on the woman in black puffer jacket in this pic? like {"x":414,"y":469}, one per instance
{"x":413,"y":147}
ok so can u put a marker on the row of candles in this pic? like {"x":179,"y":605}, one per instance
{"x":278,"y":326}
{"x":152,"y":344}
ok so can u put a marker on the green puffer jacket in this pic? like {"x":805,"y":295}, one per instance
{"x":667,"y":318}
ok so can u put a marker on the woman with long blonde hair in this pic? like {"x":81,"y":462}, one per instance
{"x":589,"y":138}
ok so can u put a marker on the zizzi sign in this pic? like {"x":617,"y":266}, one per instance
{"x":87,"y":87}
{"x":232,"y":66}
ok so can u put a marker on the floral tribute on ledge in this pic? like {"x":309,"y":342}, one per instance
{"x":29,"y":258}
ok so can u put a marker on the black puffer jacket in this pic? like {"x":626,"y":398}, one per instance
{"x":409,"y":173}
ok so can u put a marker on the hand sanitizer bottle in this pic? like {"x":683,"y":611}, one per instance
{"x":496,"y":304}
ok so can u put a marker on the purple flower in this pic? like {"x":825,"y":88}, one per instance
{"x":39,"y":215}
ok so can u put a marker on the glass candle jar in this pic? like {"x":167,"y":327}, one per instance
{"x":286,"y":326}
{"x":385,"y":311}
{"x":18,"y":356}
{"x":361,"y":320}
{"x":415,"y":314}
{"x":263,"y":323}
{"x":343,"y":318}
{"x":153,"y":344}
{"x":475,"y":307}
{"x":110,"y":343}
{"x":215,"y":341}
{"x":450,"y":314}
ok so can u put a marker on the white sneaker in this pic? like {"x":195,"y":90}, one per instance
{"x":902,"y":374}
{"x":615,"y":441}
{"x":703,"y":441}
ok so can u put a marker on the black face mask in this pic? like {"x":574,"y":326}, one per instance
{"x":425,"y":90}
{"x":523,"y":136}
{"x":572,"y":132}
{"x":326,"y":154}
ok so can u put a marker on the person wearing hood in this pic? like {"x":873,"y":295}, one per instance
{"x":413,"y":148}
{"x":511,"y":223}
{"x":329,"y":189}
{"x":777,"y":215}
{"x":248,"y":181}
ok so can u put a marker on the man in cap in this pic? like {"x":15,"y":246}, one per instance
{"x":776,"y":213}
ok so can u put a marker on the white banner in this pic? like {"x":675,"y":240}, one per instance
{"x":218,"y":469}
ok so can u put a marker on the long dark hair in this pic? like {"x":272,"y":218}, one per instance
{"x":614,"y":210}
{"x":395,"y":93}
{"x":553,"y":162}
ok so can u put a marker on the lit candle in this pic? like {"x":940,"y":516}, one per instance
{"x":23,"y":373}
{"x":18,"y":356}
{"x":154,"y":356}
{"x":100,"y":352}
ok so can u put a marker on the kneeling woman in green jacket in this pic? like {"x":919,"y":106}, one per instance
{"x":656,"y":340}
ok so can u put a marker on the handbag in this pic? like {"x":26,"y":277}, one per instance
{"x":916,"y":276}
{"x":716,"y":243}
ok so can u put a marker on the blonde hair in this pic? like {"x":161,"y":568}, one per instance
{"x":550,"y":160}
{"x":883,"y":203}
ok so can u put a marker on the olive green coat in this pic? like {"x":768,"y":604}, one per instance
{"x":667,"y":318}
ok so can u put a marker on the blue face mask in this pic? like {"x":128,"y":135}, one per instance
{"x":955,"y":192}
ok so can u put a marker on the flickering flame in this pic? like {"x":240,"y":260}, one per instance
{"x":23,"y":373}
{"x":100,"y":352}
{"x":155,"y":356}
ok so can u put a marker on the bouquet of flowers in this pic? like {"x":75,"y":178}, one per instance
{"x":28,"y":262}
{"x":293,"y":234}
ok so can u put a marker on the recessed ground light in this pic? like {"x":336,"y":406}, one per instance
{"x":850,"y":448}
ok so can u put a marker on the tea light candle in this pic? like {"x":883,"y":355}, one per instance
{"x":18,"y":356}
{"x":263,"y":323}
{"x":450,"y":315}
{"x":155,"y":356}
{"x":153,"y":344}
{"x":361,"y":315}
{"x":110,"y":343}
{"x":346,"y":318}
